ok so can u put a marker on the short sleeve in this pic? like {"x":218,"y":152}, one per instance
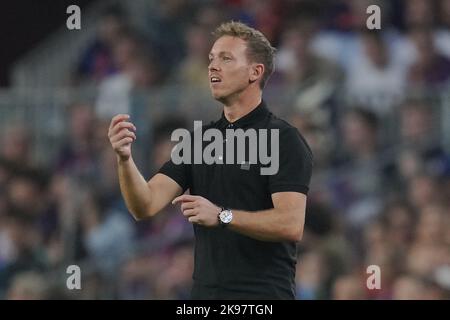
{"x":295,"y":164}
{"x":180,"y":173}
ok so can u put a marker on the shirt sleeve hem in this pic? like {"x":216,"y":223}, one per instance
{"x":289,"y":188}
{"x":174,"y":178}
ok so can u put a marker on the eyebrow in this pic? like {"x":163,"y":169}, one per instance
{"x":221,"y":53}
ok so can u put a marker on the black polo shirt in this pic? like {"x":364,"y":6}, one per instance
{"x":229,"y":265}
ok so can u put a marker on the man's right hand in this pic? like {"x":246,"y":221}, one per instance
{"x":121,"y":135}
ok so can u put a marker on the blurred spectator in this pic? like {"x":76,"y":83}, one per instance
{"x":390,"y":261}
{"x":350,"y":287}
{"x":77,"y":155}
{"x":441,"y":281}
{"x":324,"y":237}
{"x":408,"y":287}
{"x":431,"y":225}
{"x":210,"y":15}
{"x":193,"y":69}
{"x":423,"y":190}
{"x":359,"y":167}
{"x":26,"y":193}
{"x":341,"y":42}
{"x":318,"y":138}
{"x":399,"y":222}
{"x":166,"y":274}
{"x":137,"y":70}
{"x":419,"y":13}
{"x":108,"y":234}
{"x":310,"y":275}
{"x":264,"y":15}
{"x":444,"y":12}
{"x":166,"y":22}
{"x":26,"y":254}
{"x":431,"y":69}
{"x":442,"y":33}
{"x":376,"y":78}
{"x":125,"y":92}
{"x":6,"y":245}
{"x":16,"y":144}
{"x":424,"y":259}
{"x":413,"y":287}
{"x":97,"y":60}
{"x":314,"y":79}
{"x":176,"y":279}
{"x":28,"y":286}
{"x":420,"y":142}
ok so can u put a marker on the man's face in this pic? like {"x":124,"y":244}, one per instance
{"x":229,"y":69}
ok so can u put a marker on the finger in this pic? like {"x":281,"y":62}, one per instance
{"x":185,"y":197}
{"x":121,"y":143}
{"x":188,"y":205}
{"x":194,"y":219}
{"x":122,"y":125}
{"x":189,"y":213}
{"x":118,"y":118}
{"x":123,"y":134}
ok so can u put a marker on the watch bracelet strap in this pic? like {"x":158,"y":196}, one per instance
{"x":221,"y":224}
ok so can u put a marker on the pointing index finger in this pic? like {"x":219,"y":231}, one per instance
{"x":184,"y":197}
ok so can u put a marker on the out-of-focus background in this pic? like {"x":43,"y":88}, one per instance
{"x":373,"y":105}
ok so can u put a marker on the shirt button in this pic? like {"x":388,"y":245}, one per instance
{"x":230,"y":126}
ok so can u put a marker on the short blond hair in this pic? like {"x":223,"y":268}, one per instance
{"x":259,"y":48}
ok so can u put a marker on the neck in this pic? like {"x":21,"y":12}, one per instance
{"x":245,"y":103}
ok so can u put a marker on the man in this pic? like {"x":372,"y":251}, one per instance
{"x":246,"y":224}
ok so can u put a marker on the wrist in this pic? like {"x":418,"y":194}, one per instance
{"x":123,"y":160}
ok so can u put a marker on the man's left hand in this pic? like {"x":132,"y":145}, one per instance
{"x":199,"y":210}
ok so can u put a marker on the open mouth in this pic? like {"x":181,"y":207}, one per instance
{"x":215,"y":79}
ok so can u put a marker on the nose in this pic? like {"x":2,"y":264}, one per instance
{"x":213,"y":66}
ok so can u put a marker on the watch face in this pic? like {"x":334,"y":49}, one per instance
{"x":226,"y":216}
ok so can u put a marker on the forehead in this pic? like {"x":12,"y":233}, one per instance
{"x":229,"y":44}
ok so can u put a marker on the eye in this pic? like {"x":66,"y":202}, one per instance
{"x":225,"y":58}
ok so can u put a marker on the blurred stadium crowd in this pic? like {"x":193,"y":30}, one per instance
{"x":373,"y":105}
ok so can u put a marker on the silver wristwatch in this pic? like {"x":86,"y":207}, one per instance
{"x":225,"y":217}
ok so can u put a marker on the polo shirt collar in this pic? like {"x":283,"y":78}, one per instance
{"x":251,"y":118}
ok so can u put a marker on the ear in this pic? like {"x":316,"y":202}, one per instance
{"x":256,"y":72}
